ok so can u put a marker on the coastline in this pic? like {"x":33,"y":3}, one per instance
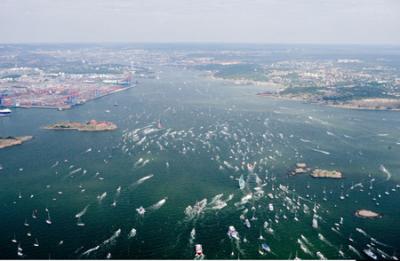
{"x":13,"y":141}
{"x":68,"y":107}
{"x":340,"y":106}
{"x":90,"y":126}
{"x":303,"y":98}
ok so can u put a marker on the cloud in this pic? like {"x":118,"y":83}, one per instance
{"x":267,"y":21}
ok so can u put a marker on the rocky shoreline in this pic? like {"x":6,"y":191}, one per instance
{"x":371,"y":104}
{"x":13,"y":141}
{"x":321,"y":173}
{"x":91,"y":125}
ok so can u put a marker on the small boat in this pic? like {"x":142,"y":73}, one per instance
{"x":265,"y":247}
{"x":320,"y":255}
{"x":242,"y":183}
{"x":141,"y":210}
{"x":14,"y":240}
{"x":48,"y":220}
{"x":250,"y":167}
{"x":270,"y":207}
{"x":132,"y":233}
{"x":199,"y":250}
{"x":19,"y":250}
{"x":79,"y":223}
{"x":193,"y":234}
{"x":34,"y":214}
{"x":232,"y":233}
{"x":315,"y":223}
{"x":394,"y":257}
{"x":5,"y":112}
{"x":247,"y":223}
{"x":36,"y":244}
{"x":26,"y":223}
{"x":341,"y":253}
{"x":370,"y":254}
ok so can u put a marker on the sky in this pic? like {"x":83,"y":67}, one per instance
{"x":221,"y":21}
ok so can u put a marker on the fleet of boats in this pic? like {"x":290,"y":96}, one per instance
{"x":261,"y":198}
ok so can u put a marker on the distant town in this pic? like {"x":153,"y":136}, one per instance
{"x":53,"y":79}
{"x":60,"y":77}
{"x":342,"y":82}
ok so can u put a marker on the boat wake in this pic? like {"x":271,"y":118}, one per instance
{"x":105,"y":243}
{"x":141,"y":180}
{"x":323,"y":239}
{"x":80,"y":214}
{"x":384,"y":170}
{"x":159,"y":204}
{"x":321,"y":151}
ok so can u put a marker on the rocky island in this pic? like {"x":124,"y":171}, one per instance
{"x":365,"y":213}
{"x":321,"y":173}
{"x":300,"y":168}
{"x":12,"y":141}
{"x":91,"y":125}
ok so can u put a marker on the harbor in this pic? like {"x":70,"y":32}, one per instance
{"x":179,"y":173}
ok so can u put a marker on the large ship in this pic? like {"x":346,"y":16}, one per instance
{"x":5,"y":112}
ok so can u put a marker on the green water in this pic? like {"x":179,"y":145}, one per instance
{"x":188,"y":167}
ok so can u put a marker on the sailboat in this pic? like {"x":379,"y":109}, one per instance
{"x":247,"y":223}
{"x":265,"y":247}
{"x":315,"y":222}
{"x":242,"y":183}
{"x":19,"y":251}
{"x":199,"y":251}
{"x":34,"y":214}
{"x":48,"y":220}
{"x":14,"y":240}
{"x":79,"y":223}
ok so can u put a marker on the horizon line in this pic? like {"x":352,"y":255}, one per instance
{"x":196,"y":42}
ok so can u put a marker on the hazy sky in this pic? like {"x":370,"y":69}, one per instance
{"x":259,"y":21}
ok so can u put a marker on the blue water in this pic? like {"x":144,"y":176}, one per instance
{"x":205,"y":123}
